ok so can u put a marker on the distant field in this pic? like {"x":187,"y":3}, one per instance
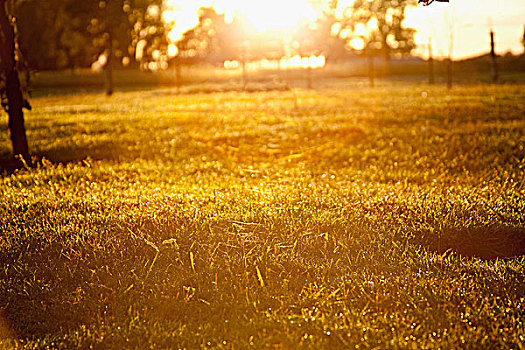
{"x":194,"y":79}
{"x":338,"y":217}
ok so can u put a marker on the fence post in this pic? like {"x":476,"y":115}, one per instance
{"x":178,"y":75}
{"x":493,"y":63}
{"x":430,"y":63}
{"x":309,"y":76}
{"x":449,"y":72}
{"x":371,"y":70}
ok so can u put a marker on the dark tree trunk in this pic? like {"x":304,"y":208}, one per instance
{"x":431,"y":70}
{"x":449,"y":72}
{"x":16,"y":116}
{"x":493,"y":63}
{"x":15,"y":98}
{"x":108,"y":69}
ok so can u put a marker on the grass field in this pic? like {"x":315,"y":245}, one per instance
{"x":338,"y":217}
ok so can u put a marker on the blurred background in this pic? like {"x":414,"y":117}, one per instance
{"x":184,"y":43}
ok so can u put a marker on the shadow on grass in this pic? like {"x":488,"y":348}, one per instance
{"x":485,"y":242}
{"x":52,"y":284}
{"x":108,"y":151}
{"x":45,"y":307}
{"x":8,"y":165}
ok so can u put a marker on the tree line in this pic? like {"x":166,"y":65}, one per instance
{"x":69,"y":34}
{"x":66,"y":34}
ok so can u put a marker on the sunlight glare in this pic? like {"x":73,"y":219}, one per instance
{"x":361,"y":30}
{"x":173,"y":50}
{"x":470,"y":24}
{"x":357,"y":43}
{"x":271,"y":14}
{"x":263,"y":15}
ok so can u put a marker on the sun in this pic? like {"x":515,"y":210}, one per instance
{"x":264,"y":15}
{"x":270,"y":15}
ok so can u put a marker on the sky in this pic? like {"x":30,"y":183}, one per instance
{"x":469,"y":21}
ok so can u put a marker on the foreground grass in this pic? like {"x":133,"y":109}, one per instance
{"x":345,"y":217}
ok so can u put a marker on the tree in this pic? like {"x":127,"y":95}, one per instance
{"x":316,"y":38}
{"x":10,"y":87}
{"x":66,"y":34}
{"x":129,"y":27}
{"x":149,"y":41}
{"x":523,"y":40}
{"x":110,"y":27}
{"x":201,"y":43}
{"x":380,"y":23}
{"x":55,"y":34}
{"x":213,"y":40}
{"x":61,"y":34}
{"x":50,"y":37}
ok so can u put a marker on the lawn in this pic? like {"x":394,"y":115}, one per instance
{"x":338,"y":217}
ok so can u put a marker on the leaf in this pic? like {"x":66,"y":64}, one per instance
{"x":259,"y":276}
{"x":192,"y":261}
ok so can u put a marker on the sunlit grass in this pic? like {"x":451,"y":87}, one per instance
{"x":336,"y":217}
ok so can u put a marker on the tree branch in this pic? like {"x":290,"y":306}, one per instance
{"x":8,"y":36}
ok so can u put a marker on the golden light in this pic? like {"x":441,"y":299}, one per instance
{"x":169,"y":16}
{"x":231,"y":64}
{"x":263,"y":15}
{"x":153,"y":11}
{"x":181,"y":16}
{"x":173,"y":50}
{"x":336,"y":29}
{"x":470,"y":24}
{"x":357,"y":43}
{"x":360,"y":29}
{"x":100,"y":63}
{"x":270,"y":14}
{"x":285,"y":63}
{"x":156,"y":55}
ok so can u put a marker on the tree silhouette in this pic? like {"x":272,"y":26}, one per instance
{"x":213,"y":40}
{"x":53,"y":33}
{"x":383,"y":19}
{"x":315,"y":38}
{"x":203,"y":42}
{"x":10,"y":87}
{"x":60,"y":34}
{"x":378,"y":25}
{"x":149,"y":41}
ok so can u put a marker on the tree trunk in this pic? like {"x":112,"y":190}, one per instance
{"x":449,"y":72}
{"x":371,"y":70}
{"x":244,"y":58}
{"x":431,"y":70}
{"x":386,"y":55}
{"x":430,"y":63}
{"x":15,"y":98}
{"x":108,"y":69}
{"x":178,"y":75}
{"x":493,"y":63}
{"x":244,"y":75}
{"x":15,"y":103}
{"x":309,"y":77}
